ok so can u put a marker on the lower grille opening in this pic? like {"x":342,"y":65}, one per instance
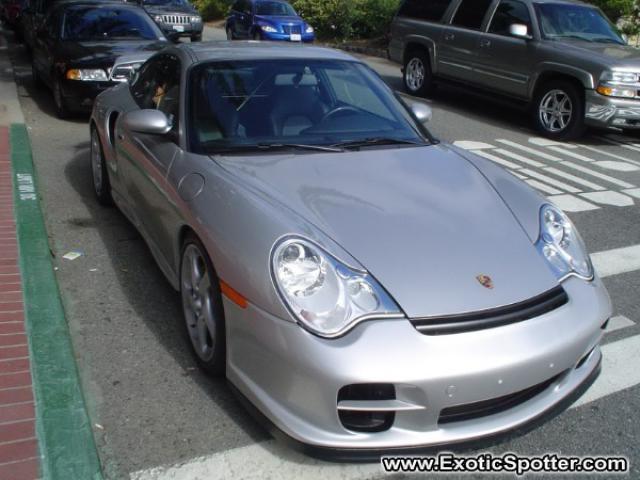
{"x":485,"y":408}
{"x":367,"y":421}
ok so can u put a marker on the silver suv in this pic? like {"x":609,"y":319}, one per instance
{"x":563,"y":57}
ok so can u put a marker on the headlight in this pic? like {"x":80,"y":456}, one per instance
{"x":87,"y":75}
{"x":327,"y":297}
{"x":309,"y":29}
{"x":268,"y":29}
{"x":158,"y":18}
{"x":560,"y":244}
{"x":196,"y":19}
{"x":611,"y":91}
{"x":620,"y":77}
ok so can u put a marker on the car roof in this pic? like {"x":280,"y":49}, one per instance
{"x":253,"y":50}
{"x":106,"y":3}
{"x":568,"y":2}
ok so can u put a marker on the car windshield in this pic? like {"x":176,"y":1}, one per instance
{"x":237,"y":105}
{"x":100,"y":23}
{"x":275,"y":8}
{"x":563,"y":20}
{"x":167,"y":3}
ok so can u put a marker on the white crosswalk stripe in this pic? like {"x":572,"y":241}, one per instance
{"x":273,"y":460}
{"x":530,"y":150}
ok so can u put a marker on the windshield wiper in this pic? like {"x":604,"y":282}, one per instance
{"x":577,"y":37}
{"x":368,"y":142}
{"x":259,"y":147}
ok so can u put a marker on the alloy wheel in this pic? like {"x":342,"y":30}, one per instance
{"x":414,"y":74}
{"x":197,"y":302}
{"x":555,"y":110}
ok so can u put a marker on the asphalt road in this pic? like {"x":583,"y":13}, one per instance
{"x":151,"y":407}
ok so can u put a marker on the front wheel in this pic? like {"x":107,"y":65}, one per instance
{"x":229,"y":34}
{"x":101,"y":184}
{"x":202,"y":307}
{"x":197,"y":37}
{"x":558,"y":111}
{"x":62,"y":109}
{"x":417,"y":75}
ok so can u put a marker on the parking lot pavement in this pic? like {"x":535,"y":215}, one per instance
{"x":156,"y":417}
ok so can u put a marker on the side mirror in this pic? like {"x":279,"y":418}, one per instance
{"x":519,"y":30}
{"x":422,"y":111}
{"x":151,"y":122}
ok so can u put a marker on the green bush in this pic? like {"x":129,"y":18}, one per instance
{"x":344,"y":19}
{"x":212,"y":9}
{"x":614,"y":9}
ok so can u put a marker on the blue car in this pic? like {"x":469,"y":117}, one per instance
{"x":267,"y":20}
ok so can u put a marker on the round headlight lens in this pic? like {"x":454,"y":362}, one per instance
{"x":326,"y":296}
{"x":561,"y":245}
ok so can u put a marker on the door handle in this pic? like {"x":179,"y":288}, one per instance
{"x":485,"y":43}
{"x":449,"y":36}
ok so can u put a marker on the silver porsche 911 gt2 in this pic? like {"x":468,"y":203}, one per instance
{"x":363,"y":285}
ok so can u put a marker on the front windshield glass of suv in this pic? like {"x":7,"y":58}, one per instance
{"x":102,"y":23}
{"x":563,"y":20}
{"x":167,"y":3}
{"x":261,"y":104}
{"x":275,"y":9}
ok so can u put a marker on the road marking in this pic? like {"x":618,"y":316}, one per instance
{"x":532,"y":151}
{"x":619,"y":370}
{"x":498,"y":160}
{"x":609,"y":154}
{"x":608,"y":197}
{"x":599,"y":175}
{"x":543,"y":188}
{"x":519,"y":158}
{"x":616,"y":261}
{"x":568,"y":153}
{"x":471,"y":145}
{"x":634,"y":192}
{"x":574,"y":179}
{"x":569,"y":203}
{"x":550,"y":181}
{"x":621,"y":144}
{"x":617,"y":166}
{"x":618,"y":323}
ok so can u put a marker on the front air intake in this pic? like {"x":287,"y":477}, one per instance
{"x":367,"y":407}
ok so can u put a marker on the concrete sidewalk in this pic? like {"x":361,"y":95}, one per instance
{"x":45,"y":431}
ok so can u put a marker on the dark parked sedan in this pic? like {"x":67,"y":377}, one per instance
{"x":78,"y":44}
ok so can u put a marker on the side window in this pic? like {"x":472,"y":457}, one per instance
{"x":237,"y":6}
{"x":431,"y":10}
{"x":470,"y":13}
{"x":508,"y":13}
{"x":157,"y":86}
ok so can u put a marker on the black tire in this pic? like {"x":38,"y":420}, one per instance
{"x":215,"y":365}
{"x":554,"y":122}
{"x":229,"y":34}
{"x":196,"y":37}
{"x":99,"y":171}
{"x":416,"y":74}
{"x":62,"y":109}
{"x":257,"y":36}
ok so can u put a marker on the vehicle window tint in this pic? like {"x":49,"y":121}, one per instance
{"x":431,"y":10}
{"x":350,"y":89}
{"x":508,"y":13}
{"x":275,"y":8}
{"x":470,"y":13}
{"x":237,"y":6}
{"x":157,"y":86}
{"x":91,"y":23}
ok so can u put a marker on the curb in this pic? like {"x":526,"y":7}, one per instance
{"x":63,"y":428}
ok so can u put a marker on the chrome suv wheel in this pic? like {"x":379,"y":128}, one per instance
{"x":202,"y":307}
{"x":558,"y":110}
{"x":417,"y":76}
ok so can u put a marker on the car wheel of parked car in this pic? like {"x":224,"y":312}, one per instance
{"x":196,"y":38}
{"x":229,"y":34}
{"x":101,"y":183}
{"x":62,"y":110}
{"x":35,"y":76}
{"x":257,"y":36}
{"x":558,"y":111}
{"x":202,"y":306}
{"x":417,"y":76}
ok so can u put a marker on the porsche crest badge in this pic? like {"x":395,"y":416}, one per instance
{"x":485,"y":281}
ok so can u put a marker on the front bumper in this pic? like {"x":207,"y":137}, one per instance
{"x":182,"y":30}
{"x":602,"y":111}
{"x":285,"y":37}
{"x":293,"y":377}
{"x":80,"y":95}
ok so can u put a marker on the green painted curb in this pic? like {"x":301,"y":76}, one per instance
{"x":67,"y":446}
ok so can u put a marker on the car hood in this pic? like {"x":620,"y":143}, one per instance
{"x":279,"y":19}
{"x":423,"y":221}
{"x":103,"y":53}
{"x":170,"y":8}
{"x":608,"y":53}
